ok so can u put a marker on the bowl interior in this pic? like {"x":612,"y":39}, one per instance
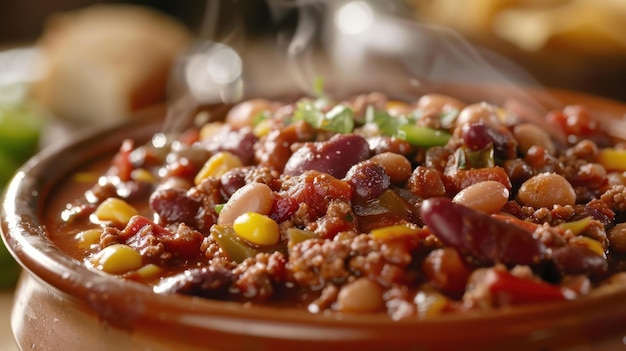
{"x":133,"y":306}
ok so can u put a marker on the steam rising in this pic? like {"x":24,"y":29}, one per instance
{"x":354,"y":47}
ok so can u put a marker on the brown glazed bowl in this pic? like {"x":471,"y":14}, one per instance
{"x":62,"y":305}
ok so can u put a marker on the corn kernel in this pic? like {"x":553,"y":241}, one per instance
{"x":217,"y":165}
{"x":117,"y":259}
{"x":142,"y":174}
{"x":613,"y":159}
{"x":115,"y":210}
{"x":430,"y":303}
{"x":148,"y":271}
{"x":393,"y":231}
{"x":257,"y":228}
{"x":88,"y":237}
{"x":262,"y":128}
{"x":210,"y":129}
{"x":397,"y":108}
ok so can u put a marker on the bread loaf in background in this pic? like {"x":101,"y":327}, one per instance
{"x":103,"y":62}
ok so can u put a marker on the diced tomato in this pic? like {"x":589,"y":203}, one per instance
{"x":121,"y":160}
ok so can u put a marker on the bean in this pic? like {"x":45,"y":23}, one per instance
{"x":476,"y":135}
{"x":334,"y":156}
{"x":488,"y":196}
{"x":244,"y":113}
{"x":368,"y":180}
{"x":479,"y":237}
{"x":528,"y":134}
{"x":479,"y":112}
{"x":578,"y":259}
{"x":546,"y":190}
{"x":617,"y":238}
{"x":174,"y":206}
{"x":361,"y":295}
{"x":446,"y":271}
{"x":439,"y":102}
{"x":253,"y":197}
{"x":397,"y":167}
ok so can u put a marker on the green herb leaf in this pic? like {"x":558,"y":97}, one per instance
{"x":339,"y":119}
{"x":448,"y":118}
{"x":318,"y":86}
{"x":386,"y":123}
{"x":308,"y":112}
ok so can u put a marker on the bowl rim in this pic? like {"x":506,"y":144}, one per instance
{"x":110,"y":297}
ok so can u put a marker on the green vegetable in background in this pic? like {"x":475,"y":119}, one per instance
{"x":21,"y":124}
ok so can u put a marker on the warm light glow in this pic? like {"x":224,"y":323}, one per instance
{"x":211,"y":72}
{"x":354,"y":17}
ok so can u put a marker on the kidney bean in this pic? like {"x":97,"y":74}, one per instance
{"x":239,"y":142}
{"x":488,"y":196}
{"x":546,"y":190}
{"x":579,"y":259}
{"x":528,"y":134}
{"x":480,"y":238}
{"x":253,"y":197}
{"x":397,"y":167}
{"x":446,"y":271}
{"x":476,"y":135}
{"x":232,"y":180}
{"x":368,"y":180}
{"x":334,"y":156}
{"x":174,"y":206}
{"x":361,"y":295}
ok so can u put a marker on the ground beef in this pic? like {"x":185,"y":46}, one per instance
{"x":615,"y":197}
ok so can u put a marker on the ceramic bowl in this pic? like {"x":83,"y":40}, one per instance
{"x":62,"y":305}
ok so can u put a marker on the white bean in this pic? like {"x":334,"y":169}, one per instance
{"x":546,"y":190}
{"x":479,"y":112}
{"x":253,"y":197}
{"x":361,"y":295}
{"x":488,"y":196}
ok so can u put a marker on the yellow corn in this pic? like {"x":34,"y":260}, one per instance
{"x":613,"y":159}
{"x":592,"y":244}
{"x":257,"y":228}
{"x":393,"y":231}
{"x":217,"y":165}
{"x":397,"y":108}
{"x":117,"y":259}
{"x":115,"y":210}
{"x":142,"y":174}
{"x":148,"y":271}
{"x":88,"y":237}
{"x":430,"y":303}
{"x":210,"y":129}
{"x":262,"y":128}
